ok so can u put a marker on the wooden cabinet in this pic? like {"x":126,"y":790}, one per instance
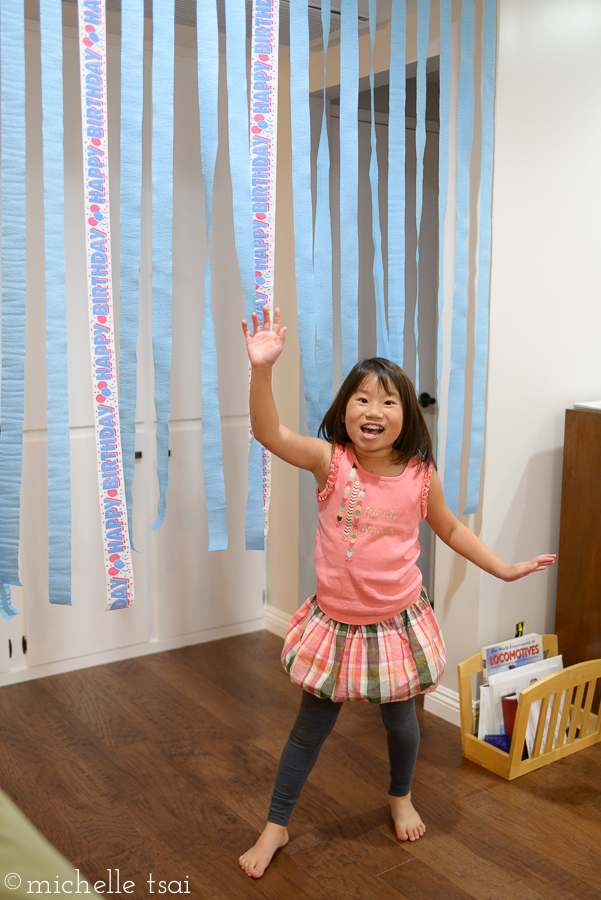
{"x":578,"y":610}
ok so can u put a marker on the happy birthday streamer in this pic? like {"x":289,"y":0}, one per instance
{"x":59,"y":481}
{"x":132,"y":94}
{"x":113,"y":508}
{"x":484,"y":254}
{"x":212,"y":450}
{"x":383,"y":347}
{"x":263,"y":163}
{"x":349,"y":184}
{"x":303,"y":206}
{"x":12,"y":47}
{"x":396,"y":181}
{"x":465,"y":131}
{"x":163,"y":69}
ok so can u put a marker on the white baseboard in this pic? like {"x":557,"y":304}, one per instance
{"x":444,"y":703}
{"x":110,"y":656}
{"x":276,"y":621}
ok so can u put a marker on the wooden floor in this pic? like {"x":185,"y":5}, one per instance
{"x":163,"y":765}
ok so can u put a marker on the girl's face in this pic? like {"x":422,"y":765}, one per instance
{"x":374,"y":416}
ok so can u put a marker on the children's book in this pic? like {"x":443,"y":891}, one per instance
{"x":486,"y":724}
{"x":510,"y":708}
{"x":513,"y":681}
{"x":511,"y":654}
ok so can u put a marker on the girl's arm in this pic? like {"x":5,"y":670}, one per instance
{"x":264,"y":347}
{"x":463,"y":541}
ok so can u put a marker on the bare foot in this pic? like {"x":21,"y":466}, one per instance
{"x":407,"y":821}
{"x":255,"y":861}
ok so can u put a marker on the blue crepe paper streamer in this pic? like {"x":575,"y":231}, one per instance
{"x":239,"y":150}
{"x":163,"y":60}
{"x":444,"y":101}
{"x":423,"y":36}
{"x":383,"y":347}
{"x":465,"y":131}
{"x":239,"y":147}
{"x":349,"y":184}
{"x":212,"y":453}
{"x":132,"y":99}
{"x":302,"y":205}
{"x":322,"y":262}
{"x":255,"y":516}
{"x":12,"y":45}
{"x":396,"y":182}
{"x":484,"y":252}
{"x":59,"y":487}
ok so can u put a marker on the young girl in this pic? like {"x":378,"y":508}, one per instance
{"x":369,"y":633}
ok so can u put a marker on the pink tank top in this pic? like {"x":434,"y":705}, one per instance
{"x":367,"y":540}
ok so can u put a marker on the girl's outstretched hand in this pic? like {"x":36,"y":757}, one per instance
{"x":538,"y":564}
{"x":265,"y":344}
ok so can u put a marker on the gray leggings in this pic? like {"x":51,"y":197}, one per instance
{"x":315,"y":721}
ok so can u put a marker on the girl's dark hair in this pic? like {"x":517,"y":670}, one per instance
{"x":414,"y":441}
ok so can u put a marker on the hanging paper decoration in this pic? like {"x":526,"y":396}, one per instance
{"x":349,"y":184}
{"x":383,"y":346}
{"x":263,"y":165}
{"x":132,"y":97}
{"x":12,"y":47}
{"x":212,"y":450}
{"x":113,"y":509}
{"x":303,"y":206}
{"x":444,"y":109}
{"x":322,"y":243}
{"x":163,"y":62}
{"x":59,"y":473}
{"x":250,"y":135}
{"x":465,"y":133}
{"x":484,"y":254}
{"x":243,"y":196}
{"x":396,"y":181}
{"x":423,"y":35}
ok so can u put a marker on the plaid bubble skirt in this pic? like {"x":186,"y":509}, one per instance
{"x":387,"y":661}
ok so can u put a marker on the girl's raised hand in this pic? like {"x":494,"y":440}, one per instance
{"x":265,"y":344}
{"x":538,"y":564}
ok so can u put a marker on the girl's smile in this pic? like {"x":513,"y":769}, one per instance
{"x":374,"y":416}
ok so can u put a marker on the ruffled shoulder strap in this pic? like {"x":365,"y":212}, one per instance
{"x":427,"y":475}
{"x":333,"y":475}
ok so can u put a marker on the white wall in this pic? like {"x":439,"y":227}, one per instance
{"x":545,"y":309}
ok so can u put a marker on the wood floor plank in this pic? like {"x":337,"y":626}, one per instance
{"x":488,"y":828}
{"x":35,"y":802}
{"x":482,"y":878}
{"x":84,"y":693}
{"x":267,"y":724}
{"x":58,"y":753}
{"x":559,"y":834}
{"x":340,"y":874}
{"x":416,"y":879}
